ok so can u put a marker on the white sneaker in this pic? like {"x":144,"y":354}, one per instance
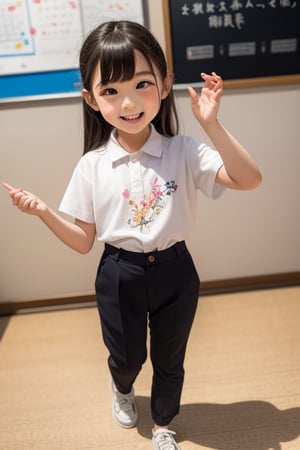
{"x":124,"y":408}
{"x":162,"y":439}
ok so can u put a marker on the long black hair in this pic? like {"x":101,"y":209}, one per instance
{"x":112,"y":45}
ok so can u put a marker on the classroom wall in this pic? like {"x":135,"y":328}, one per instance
{"x":242,"y":234}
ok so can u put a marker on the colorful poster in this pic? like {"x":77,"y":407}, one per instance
{"x":45,"y":35}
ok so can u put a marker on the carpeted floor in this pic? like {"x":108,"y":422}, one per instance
{"x":242,"y":388}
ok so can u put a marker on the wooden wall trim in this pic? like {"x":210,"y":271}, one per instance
{"x":207,"y":288}
{"x":250,"y":283}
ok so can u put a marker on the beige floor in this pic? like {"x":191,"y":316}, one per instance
{"x":242,"y":389}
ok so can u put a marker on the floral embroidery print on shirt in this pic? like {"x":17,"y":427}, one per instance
{"x":145,"y":211}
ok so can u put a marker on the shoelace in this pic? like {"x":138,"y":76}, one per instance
{"x":125,"y":402}
{"x":165,"y":440}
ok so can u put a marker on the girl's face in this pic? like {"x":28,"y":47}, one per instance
{"x":129,"y":106}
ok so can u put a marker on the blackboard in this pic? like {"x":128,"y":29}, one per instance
{"x":40,"y":42}
{"x":247,"y":42}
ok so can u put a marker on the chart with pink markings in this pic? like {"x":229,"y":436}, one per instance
{"x":94,"y":11}
{"x":15,"y":29}
{"x":45,"y":35}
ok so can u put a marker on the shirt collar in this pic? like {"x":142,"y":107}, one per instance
{"x":153,"y":146}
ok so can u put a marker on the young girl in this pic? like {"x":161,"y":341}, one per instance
{"x":135,"y":190}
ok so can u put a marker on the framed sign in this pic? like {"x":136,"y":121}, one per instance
{"x":247,"y":42}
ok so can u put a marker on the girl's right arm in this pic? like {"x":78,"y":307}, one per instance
{"x":79,"y":236}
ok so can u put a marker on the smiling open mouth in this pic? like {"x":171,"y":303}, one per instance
{"x":132,"y":118}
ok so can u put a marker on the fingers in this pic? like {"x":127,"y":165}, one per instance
{"x":24,"y":201}
{"x":212,"y":81}
{"x":193,"y":95}
{"x":28,"y":204}
{"x":20,"y":198}
{"x":11,"y":189}
{"x":213,"y":76}
{"x":15,"y":193}
{"x":7,"y":186}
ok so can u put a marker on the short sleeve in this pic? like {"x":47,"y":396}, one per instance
{"x":205,"y":164}
{"x":78,"y":198}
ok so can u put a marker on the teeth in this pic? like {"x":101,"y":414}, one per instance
{"x":136,"y":116}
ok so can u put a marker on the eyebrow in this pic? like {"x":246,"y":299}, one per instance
{"x":137,"y":74}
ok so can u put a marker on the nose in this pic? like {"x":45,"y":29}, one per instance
{"x":129,"y":102}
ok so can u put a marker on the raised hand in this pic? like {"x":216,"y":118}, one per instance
{"x":205,"y":106}
{"x":25,"y":201}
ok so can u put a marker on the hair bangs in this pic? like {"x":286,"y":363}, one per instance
{"x":117,"y":61}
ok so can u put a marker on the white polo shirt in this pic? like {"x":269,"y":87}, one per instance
{"x":147,"y":200}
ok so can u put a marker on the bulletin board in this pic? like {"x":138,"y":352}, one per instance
{"x":40,"y":42}
{"x":247,"y":42}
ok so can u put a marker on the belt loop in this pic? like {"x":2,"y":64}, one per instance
{"x":117,"y":255}
{"x":179,"y":247}
{"x":114,"y":252}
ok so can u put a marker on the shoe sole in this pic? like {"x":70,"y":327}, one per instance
{"x":122,"y":425}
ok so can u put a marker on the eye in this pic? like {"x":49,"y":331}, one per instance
{"x":109,"y":91}
{"x":144,"y":84}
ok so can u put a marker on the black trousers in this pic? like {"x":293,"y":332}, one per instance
{"x":137,"y":290}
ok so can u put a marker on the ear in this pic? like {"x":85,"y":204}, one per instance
{"x":89,"y":99}
{"x":167,"y":85}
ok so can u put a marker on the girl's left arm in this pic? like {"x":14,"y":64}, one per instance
{"x":239,"y":170}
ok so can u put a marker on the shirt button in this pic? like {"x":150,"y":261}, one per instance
{"x":151,"y":259}
{"x":137,"y":183}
